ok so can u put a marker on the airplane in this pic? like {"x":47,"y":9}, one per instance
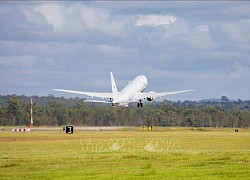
{"x":132,"y":92}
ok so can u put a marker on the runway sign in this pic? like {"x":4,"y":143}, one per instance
{"x":68,"y":129}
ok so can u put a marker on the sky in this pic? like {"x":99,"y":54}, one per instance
{"x":74,"y":45}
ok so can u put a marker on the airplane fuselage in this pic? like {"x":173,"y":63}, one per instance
{"x":130,"y":91}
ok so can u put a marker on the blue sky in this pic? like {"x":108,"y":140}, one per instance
{"x":74,"y":45}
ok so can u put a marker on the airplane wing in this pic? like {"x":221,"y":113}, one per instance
{"x":161,"y":94}
{"x":92,"y":94}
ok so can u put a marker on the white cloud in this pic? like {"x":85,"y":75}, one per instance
{"x":155,"y":20}
{"x":180,"y":28}
{"x":101,"y":19}
{"x":93,"y":18}
{"x":76,"y":19}
{"x":53,"y":14}
{"x":190,"y":35}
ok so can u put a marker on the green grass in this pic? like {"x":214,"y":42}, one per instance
{"x":130,"y":153}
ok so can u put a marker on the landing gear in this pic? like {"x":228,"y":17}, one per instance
{"x":111,"y":100}
{"x":140,"y":104}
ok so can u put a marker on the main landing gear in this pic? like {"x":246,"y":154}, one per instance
{"x":140,"y":104}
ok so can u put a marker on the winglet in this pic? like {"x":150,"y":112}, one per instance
{"x":114,"y":88}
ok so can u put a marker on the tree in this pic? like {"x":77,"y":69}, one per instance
{"x":17,"y":111}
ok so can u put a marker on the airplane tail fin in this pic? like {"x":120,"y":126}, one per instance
{"x":114,"y":88}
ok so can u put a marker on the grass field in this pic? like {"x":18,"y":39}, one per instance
{"x":126,"y":153}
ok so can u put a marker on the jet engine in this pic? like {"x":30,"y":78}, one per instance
{"x":150,"y":98}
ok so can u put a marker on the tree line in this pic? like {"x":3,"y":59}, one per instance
{"x":54,"y":111}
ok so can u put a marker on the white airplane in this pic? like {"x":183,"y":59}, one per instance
{"x":132,"y":92}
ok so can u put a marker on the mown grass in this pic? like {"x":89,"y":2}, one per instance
{"x":165,"y":153}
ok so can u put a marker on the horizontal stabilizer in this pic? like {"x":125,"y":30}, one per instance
{"x":96,"y":101}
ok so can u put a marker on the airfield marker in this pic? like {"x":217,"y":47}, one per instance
{"x":21,"y":130}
